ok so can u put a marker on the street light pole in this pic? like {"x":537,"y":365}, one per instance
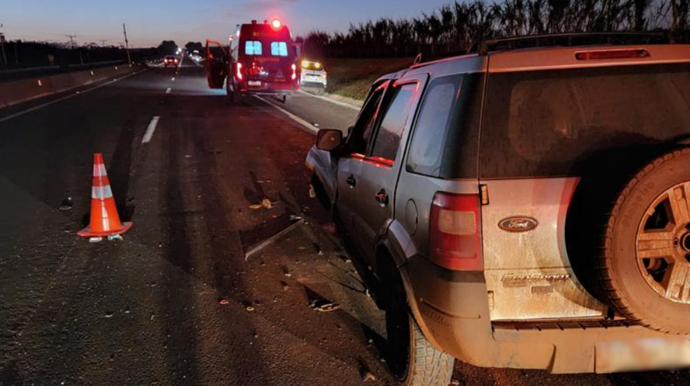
{"x":129,"y":58}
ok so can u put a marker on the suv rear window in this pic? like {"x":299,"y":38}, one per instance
{"x":548,"y":123}
{"x":445,"y":138}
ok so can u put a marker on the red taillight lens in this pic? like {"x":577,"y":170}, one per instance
{"x":239,"y":71}
{"x":294,"y":72}
{"x":612,"y":54}
{"x":455,"y":232}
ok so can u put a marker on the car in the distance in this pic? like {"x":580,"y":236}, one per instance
{"x":526,"y":206}
{"x":171,"y":60}
{"x":313,"y":75}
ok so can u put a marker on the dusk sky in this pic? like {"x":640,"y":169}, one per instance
{"x":151,"y":21}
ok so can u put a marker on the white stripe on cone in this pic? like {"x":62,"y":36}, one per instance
{"x":99,"y":170}
{"x":101,"y":192}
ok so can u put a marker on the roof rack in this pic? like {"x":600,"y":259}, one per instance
{"x":573,"y":39}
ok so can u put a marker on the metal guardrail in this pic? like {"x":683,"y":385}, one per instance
{"x":24,"y":73}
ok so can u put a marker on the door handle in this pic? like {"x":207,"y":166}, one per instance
{"x":382,"y":197}
{"x":351,"y":181}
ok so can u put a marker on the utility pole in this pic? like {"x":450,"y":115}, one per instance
{"x":129,"y":58}
{"x":103,"y":42}
{"x":71,"y":40}
{"x":2,"y":44}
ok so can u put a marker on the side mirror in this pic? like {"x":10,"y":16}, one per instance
{"x":329,"y":139}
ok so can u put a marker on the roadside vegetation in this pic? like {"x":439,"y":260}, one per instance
{"x":352,"y":78}
{"x":458,"y":27}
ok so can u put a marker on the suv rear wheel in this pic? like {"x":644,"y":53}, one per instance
{"x":645,"y":264}
{"x":413,"y":360}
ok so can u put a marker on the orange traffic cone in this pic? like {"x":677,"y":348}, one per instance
{"x":104,"y":218}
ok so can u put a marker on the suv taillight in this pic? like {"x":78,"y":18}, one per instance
{"x":239,"y":71}
{"x":455,"y":232}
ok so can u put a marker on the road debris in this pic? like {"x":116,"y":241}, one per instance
{"x":329,"y":228}
{"x":66,"y":204}
{"x":223,"y":302}
{"x":250,"y":308}
{"x":94,"y":240}
{"x":271,"y":239}
{"x":265,"y":203}
{"x":368,"y":376}
{"x":324,"y":305}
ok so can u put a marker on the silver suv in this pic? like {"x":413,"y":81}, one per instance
{"x":524,"y":207}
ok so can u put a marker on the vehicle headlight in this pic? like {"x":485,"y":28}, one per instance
{"x":305,"y":64}
{"x":317,"y":65}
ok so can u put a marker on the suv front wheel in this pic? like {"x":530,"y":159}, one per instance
{"x":413,"y":360}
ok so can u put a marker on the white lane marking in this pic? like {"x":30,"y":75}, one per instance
{"x":168,"y":90}
{"x":150,"y":130}
{"x":339,"y":103}
{"x":311,"y":128}
{"x":15,"y":115}
{"x":173,"y":79}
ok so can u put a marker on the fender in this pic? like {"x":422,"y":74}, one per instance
{"x":322,"y":165}
{"x":401,"y":241}
{"x":397,"y":243}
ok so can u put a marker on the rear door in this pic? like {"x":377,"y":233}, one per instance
{"x":269,"y":61}
{"x":353,"y":155}
{"x":378,"y":172}
{"x":217,"y":62}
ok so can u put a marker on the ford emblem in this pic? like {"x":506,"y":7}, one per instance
{"x":518,"y":224}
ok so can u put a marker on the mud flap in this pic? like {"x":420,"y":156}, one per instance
{"x":217,"y":62}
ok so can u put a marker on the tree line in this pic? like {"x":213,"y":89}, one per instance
{"x":457,"y":27}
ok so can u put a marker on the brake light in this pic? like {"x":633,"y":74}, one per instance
{"x":612,"y":54}
{"x":239,"y":71}
{"x":455,"y":232}
{"x":294,"y":72}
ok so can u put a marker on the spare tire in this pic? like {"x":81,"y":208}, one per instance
{"x":644,"y":260}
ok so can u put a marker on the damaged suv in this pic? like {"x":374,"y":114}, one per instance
{"x":527,"y":206}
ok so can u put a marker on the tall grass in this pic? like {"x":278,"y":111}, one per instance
{"x":456,"y":27}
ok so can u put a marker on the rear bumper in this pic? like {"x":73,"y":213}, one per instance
{"x":269,"y":88}
{"x":452,"y":309}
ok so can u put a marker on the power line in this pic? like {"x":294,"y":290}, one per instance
{"x":103,"y":42}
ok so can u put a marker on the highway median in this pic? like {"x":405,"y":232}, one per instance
{"x":19,"y":91}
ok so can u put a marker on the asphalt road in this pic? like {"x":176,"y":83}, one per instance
{"x":176,"y":301}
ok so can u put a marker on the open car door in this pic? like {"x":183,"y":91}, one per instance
{"x":217,"y":62}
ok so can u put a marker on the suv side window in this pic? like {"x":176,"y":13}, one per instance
{"x":388,"y":135}
{"x":431,"y":129}
{"x":365,"y":124}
